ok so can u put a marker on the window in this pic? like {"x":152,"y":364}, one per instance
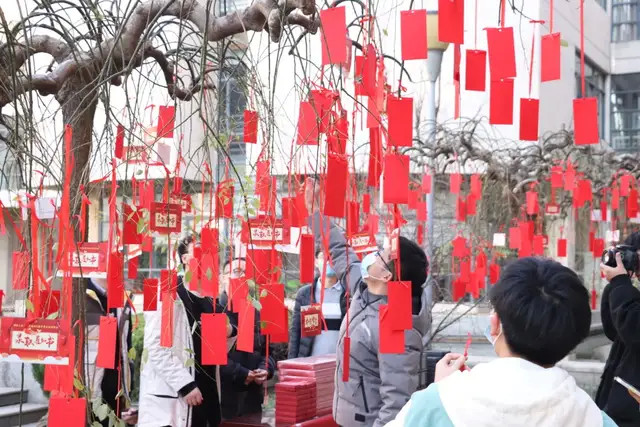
{"x":595,"y":86}
{"x":625,"y":112}
{"x":625,"y":16}
{"x":228,"y":6}
{"x":233,"y":103}
{"x":602,"y":3}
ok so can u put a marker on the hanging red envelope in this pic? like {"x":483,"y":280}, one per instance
{"x":373,"y":113}
{"x":375,"y":158}
{"x":20,"y":270}
{"x":336,"y":183}
{"x":465,"y":271}
{"x":281,"y":336}
{"x":132,"y":219}
{"x":224,"y":199}
{"x":107,"y":342}
{"x":538,"y":245}
{"x":460,"y":248}
{"x":615,"y":198}
{"x":532,"y":203}
{"x":273,"y":308}
{"x":119,"y":142}
{"x":132,"y":268}
{"x":166,"y":118}
{"x":307,"y":252}
{"x":168,"y":282}
{"x":246,"y":325}
{"x":307,"y":125}
{"x":150,"y":294}
{"x":366,"y":203}
{"x":570,"y":179}
{"x":209,"y":277}
{"x":603,"y":211}
{"x":369,"y":69}
{"x":250,"y":132}
{"x":598,"y":247}
{"x":421,"y":212}
{"x":60,"y":377}
{"x":625,"y":185}
{"x":514,"y":238}
{"x":322,"y":103}
{"x":426,"y":184}
{"x":562,"y":248}
{"x":399,"y":294}
{"x":396,"y":179}
{"x":391,"y":340}
{"x":451,"y":21}
{"x":192,"y":275}
{"x":476,"y":186}
{"x":470,"y":204}
{"x":494,"y":273}
{"x":556,"y":177}
{"x":459,"y":290}
{"x":550,"y":53}
{"x":632,"y":204}
{"x":333,"y":35}
{"x":115,"y":281}
{"x":353,"y":218}
{"x":476,"y":70}
{"x":166,"y":218}
{"x":357,"y":76}
{"x":342,"y":134}
{"x":214,"y":338}
{"x":502,"y":58}
{"x":455,"y":183}
{"x":461,"y":210}
{"x":372,"y":223}
{"x":166,"y":320}
{"x":413,"y":199}
{"x":400,"y":114}
{"x":268,"y":197}
{"x":258,"y":265}
{"x":209,"y":238}
{"x":413,"y":24}
{"x":529,"y":113}
{"x":501,"y":102}
{"x":585,"y":121}
{"x":238,"y":292}
{"x":67,"y":412}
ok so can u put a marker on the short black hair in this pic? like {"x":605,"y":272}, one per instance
{"x":543,"y":307}
{"x":183,"y":246}
{"x":633,"y":240}
{"x":414,"y":266}
{"x":318,"y":251}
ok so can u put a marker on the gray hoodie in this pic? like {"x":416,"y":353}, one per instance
{"x":379,"y":385}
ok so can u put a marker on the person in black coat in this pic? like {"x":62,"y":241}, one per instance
{"x":244,"y":375}
{"x":620,"y":311}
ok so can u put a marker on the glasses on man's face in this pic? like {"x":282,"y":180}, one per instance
{"x":386,"y":265}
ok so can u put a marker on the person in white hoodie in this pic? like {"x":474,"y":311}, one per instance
{"x":540,"y":313}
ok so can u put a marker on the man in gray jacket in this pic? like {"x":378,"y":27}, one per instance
{"x":378,"y":384}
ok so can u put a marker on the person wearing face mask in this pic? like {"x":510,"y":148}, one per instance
{"x":540,"y":313}
{"x":334,"y":307}
{"x":378,"y":384}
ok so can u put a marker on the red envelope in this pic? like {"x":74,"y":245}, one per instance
{"x":214,"y":338}
{"x":209,"y":275}
{"x":375,"y":158}
{"x":366,"y":203}
{"x":603,"y":210}
{"x":400,"y":305}
{"x":67,"y":412}
{"x":150,"y":294}
{"x":421,"y":212}
{"x":130,"y":233}
{"x":115,"y":281}
{"x":107,"y":342}
{"x":529,"y":112}
{"x":224,"y":199}
{"x":632,"y":204}
{"x":413,"y":25}
{"x":556,"y":177}
{"x":273,"y":309}
{"x":373,"y":113}
{"x":307,"y":252}
{"x":470,"y":204}
{"x":250,"y":132}
{"x":193,"y":271}
{"x":460,"y":248}
{"x":615,"y":198}
{"x":625,"y":185}
{"x":550,"y":59}
{"x":396,"y":179}
{"x":336,"y":185}
{"x":258,"y":265}
{"x":461,"y":210}
{"x":20,"y":270}
{"x":391,"y":341}
{"x":455,"y":182}
{"x":538,"y":245}
{"x":246,"y":324}
{"x":514,"y":238}
{"x":501,"y":102}
{"x":451,"y":21}
{"x":119,"y":142}
{"x":569,"y":179}
{"x":459,"y":290}
{"x":413,"y":199}
{"x":400,"y":114}
{"x":353,"y":218}
{"x":333,"y":35}
{"x":369,"y":76}
{"x":476,"y":70}
{"x":494,"y":273}
{"x":209,"y":238}
{"x":502,"y":58}
{"x":476,"y":186}
{"x":132,"y":268}
{"x":426,"y":184}
{"x":585,"y":121}
{"x":166,"y":321}
{"x":283,"y":335}
{"x":307,"y":124}
{"x":598,"y":248}
{"x":562,"y":248}
{"x":238,"y":291}
{"x":60,"y":377}
{"x":357,"y":76}
{"x":311,"y":320}
{"x":322,"y":103}
{"x":532,"y":203}
{"x":166,"y":118}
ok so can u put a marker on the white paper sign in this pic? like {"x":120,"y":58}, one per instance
{"x":499,"y":239}
{"x":596,"y":215}
{"x":612,"y":236}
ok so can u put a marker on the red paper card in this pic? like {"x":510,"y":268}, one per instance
{"x":455,"y":182}
{"x":598,"y":247}
{"x":246,"y":324}
{"x":550,"y":62}
{"x":166,"y":118}
{"x":400,"y":114}
{"x":529,"y":112}
{"x":166,"y":218}
{"x":322,"y":102}
{"x":391,"y":341}
{"x":150,"y":294}
{"x":460,"y":248}
{"x":214,"y":338}
{"x":421,"y":212}
{"x":258,"y":265}
{"x":451,"y":21}
{"x":625,"y":185}
{"x":369,"y":76}
{"x":570,"y":179}
{"x":514,"y":238}
{"x":130,"y":233}
{"x":307,"y":252}
{"x":353,"y":218}
{"x":556,"y":177}
{"x":168,"y":283}
{"x":193,"y":276}
{"x":273,"y":309}
{"x":413,"y":25}
{"x":585,"y":121}
{"x":400,"y":305}
{"x":307,"y":124}
{"x":115,"y":281}
{"x":336,"y":185}
{"x":538,"y":245}
{"x":532,"y":203}
{"x":375,"y":158}
{"x":281,"y":336}
{"x":67,"y":412}
{"x":209,"y":238}
{"x":632,"y":204}
{"x":132,"y":268}
{"x":461,"y":210}
{"x":357,"y":76}
{"x":209,"y":277}
{"x":562,"y":248}
{"x":373,"y":113}
{"x":20,"y":270}
{"x":366,"y":203}
{"x":615,"y":198}
{"x":107,"y":342}
{"x":166,"y":321}
{"x":119,"y":142}
{"x":333,"y":35}
{"x":250,"y":133}
{"x":476,"y":70}
{"x":60,"y":377}
{"x":476,"y":186}
{"x":311,"y":320}
{"x":494,"y":273}
{"x":224,"y":199}
{"x":502,"y":58}
{"x":501,"y":102}
{"x":470,"y":204}
{"x":396,"y":179}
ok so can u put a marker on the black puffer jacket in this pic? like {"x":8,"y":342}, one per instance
{"x":300,"y":346}
{"x":621,"y":323}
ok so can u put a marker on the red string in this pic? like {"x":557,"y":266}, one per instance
{"x":475,"y":28}
{"x":551,"y":16}
{"x":502,"y":12}
{"x":582,"y":47}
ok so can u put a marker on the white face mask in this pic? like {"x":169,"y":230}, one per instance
{"x":487,"y":334}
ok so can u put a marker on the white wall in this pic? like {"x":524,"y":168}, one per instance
{"x":625,"y":57}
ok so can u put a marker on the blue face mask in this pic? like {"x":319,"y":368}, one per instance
{"x":330,"y":271}
{"x":367,"y":262}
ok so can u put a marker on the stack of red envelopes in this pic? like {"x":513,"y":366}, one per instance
{"x":321,"y":369}
{"x":295,"y":400}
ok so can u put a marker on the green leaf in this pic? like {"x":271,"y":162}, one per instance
{"x":564,"y":43}
{"x":103,"y":411}
{"x":145,"y":355}
{"x":263,"y":293}
{"x":209,"y":274}
{"x":96,"y":424}
{"x":140,"y":226}
{"x":189,"y":363}
{"x":29,"y":305}
{"x":187,"y":276}
{"x":385,"y":32}
{"x":132,"y":353}
{"x":251,"y":283}
{"x":53,"y":316}
{"x":120,"y":393}
{"x":256,"y":304}
{"x":95,"y":404}
{"x":188,"y":350}
{"x":78,"y":384}
{"x":263,"y":324}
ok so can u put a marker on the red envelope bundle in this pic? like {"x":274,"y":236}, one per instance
{"x":295,"y":400}
{"x":321,"y":369}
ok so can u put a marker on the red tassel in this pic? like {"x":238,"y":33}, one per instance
{"x":594,"y":299}
{"x":119,"y":142}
